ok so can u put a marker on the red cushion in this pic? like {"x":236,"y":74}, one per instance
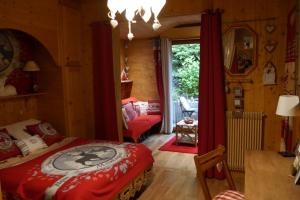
{"x":8,"y":148}
{"x":128,"y":100}
{"x":153,"y":107}
{"x":45,"y":131}
{"x":229,"y":195}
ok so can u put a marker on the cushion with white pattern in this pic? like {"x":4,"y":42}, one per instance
{"x":31,"y":144}
{"x":229,"y":195}
{"x":16,"y":130}
{"x":143,"y":105}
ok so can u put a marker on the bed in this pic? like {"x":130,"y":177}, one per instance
{"x":76,"y":168}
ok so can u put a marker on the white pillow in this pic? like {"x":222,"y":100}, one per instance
{"x":143,"y":107}
{"x":31,"y":144}
{"x":17,"y":129}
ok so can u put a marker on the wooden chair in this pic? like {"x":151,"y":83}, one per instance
{"x":209,"y":160}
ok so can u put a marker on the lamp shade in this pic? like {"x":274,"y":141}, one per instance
{"x":286,"y":105}
{"x":31,"y":66}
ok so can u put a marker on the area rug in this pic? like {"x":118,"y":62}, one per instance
{"x":170,"y":145}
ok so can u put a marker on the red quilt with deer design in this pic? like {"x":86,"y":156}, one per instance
{"x":79,"y":170}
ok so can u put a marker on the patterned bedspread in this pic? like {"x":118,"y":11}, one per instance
{"x":79,"y":170}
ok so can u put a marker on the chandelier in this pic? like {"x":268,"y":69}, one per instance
{"x":144,"y":8}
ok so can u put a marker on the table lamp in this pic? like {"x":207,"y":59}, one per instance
{"x":286,"y":108}
{"x":32,"y":67}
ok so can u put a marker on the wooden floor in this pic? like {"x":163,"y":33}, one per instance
{"x":175,"y":175}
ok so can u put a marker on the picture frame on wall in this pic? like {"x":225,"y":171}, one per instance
{"x":238,"y":91}
{"x":238,"y":103}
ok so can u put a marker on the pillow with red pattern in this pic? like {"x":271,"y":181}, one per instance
{"x":8,"y":148}
{"x":45,"y":131}
{"x":153,"y":107}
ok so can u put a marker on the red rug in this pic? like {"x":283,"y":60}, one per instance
{"x":170,"y":145}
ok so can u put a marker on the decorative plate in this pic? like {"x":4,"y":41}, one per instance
{"x":6,"y":52}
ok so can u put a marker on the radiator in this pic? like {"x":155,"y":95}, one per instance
{"x":243,"y":133}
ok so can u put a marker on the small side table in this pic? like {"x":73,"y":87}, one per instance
{"x":187,"y":133}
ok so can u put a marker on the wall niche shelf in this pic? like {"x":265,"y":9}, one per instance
{"x":22,"y":96}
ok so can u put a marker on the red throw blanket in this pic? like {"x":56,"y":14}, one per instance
{"x":80,"y":170}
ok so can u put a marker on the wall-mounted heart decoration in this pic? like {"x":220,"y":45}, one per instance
{"x":270,"y":28}
{"x":270,"y":46}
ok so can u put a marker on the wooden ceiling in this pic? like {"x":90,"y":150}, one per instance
{"x":144,"y":30}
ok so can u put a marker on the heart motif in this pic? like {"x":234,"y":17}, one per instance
{"x":270,"y":46}
{"x":270,"y":28}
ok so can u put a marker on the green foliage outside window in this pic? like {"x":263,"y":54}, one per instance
{"x":185,"y":60}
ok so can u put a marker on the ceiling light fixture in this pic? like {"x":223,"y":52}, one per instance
{"x":132,"y":8}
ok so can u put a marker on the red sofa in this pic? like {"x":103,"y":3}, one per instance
{"x":141,"y":124}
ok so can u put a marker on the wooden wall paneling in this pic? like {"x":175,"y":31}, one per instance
{"x":74,"y":102}
{"x":178,"y":7}
{"x":73,"y":80}
{"x":296,"y":131}
{"x":142,"y":69}
{"x":116,"y":64}
{"x":123,"y":53}
{"x":75,"y":4}
{"x":192,"y":32}
{"x":51,"y":105}
{"x":97,"y":12}
{"x":14,"y":110}
{"x":72,"y":23}
{"x":37,"y":18}
{"x":88,"y":17}
{"x":257,"y":96}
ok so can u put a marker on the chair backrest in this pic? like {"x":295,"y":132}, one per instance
{"x":209,"y":160}
{"x":184,"y":103}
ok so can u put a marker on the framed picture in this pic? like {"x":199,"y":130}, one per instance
{"x":238,"y":91}
{"x":269,"y":75}
{"x":238,"y":103}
